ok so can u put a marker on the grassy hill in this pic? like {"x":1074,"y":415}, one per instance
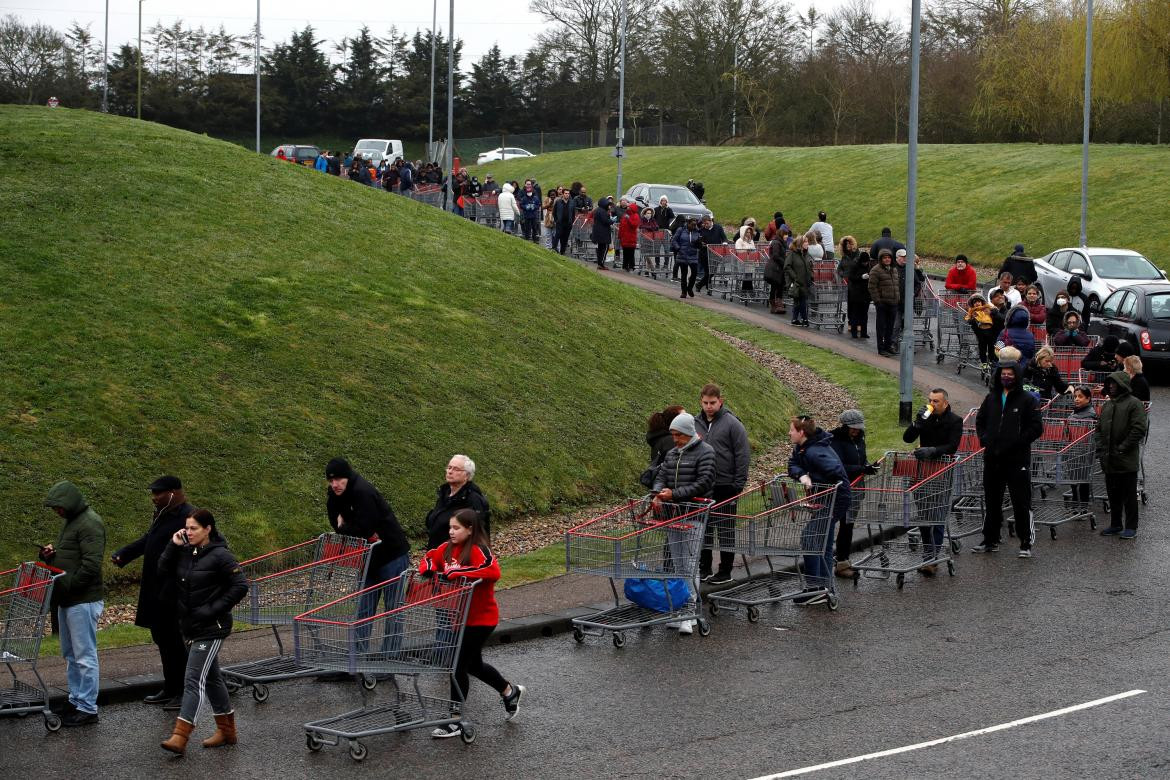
{"x":176,"y":304}
{"x":976,"y":199}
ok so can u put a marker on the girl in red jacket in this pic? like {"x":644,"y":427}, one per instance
{"x":466,"y":554}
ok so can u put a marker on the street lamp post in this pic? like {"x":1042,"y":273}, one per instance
{"x":448,"y":161}
{"x":906,"y":367}
{"x":140,"y":58}
{"x":106,"y":63}
{"x":257,"y":69}
{"x":1085,"y":132}
{"x":620,"y":151}
{"x":431,"y":120}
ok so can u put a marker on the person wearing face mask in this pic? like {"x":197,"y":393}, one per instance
{"x":1121,"y":430}
{"x":1007,"y":423}
{"x":156,"y":600}
{"x":1079,"y":301}
{"x":1057,"y":312}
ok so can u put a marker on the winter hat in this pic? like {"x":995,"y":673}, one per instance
{"x":885,"y":253}
{"x":1110,"y":343}
{"x":684,"y":423}
{"x":886,"y":231}
{"x":165,"y":483}
{"x":1124,"y":349}
{"x":1019,"y":249}
{"x":338,"y":468}
{"x":901,"y":253}
{"x":853,"y":418}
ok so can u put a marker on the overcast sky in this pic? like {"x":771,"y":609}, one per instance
{"x":479,"y":24}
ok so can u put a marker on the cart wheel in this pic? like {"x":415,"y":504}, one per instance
{"x":369,"y":682}
{"x":704,"y":628}
{"x":901,"y":580}
{"x":753,"y":614}
{"x":619,"y":640}
{"x":578,"y":634}
{"x":951,"y":568}
{"x":52,"y":721}
{"x":1105,"y":506}
{"x":956,"y":545}
{"x":713,"y":608}
{"x":260,"y":692}
{"x":357,"y":751}
{"x":1092,"y":523}
{"x":467,"y":734}
{"x":938,"y":358}
{"x":840,"y":328}
{"x":856,"y":577}
{"x":833,"y":602}
{"x":312,"y":743}
{"x":1052,"y":530}
{"x":233,"y":684}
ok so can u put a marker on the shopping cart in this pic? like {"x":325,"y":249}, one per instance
{"x":580,"y":236}
{"x":642,"y":539}
{"x":430,"y":194}
{"x":722,"y":265}
{"x":1068,"y":361}
{"x":1062,"y":461}
{"x":826,"y":305}
{"x":904,"y":494}
{"x":487,"y":211}
{"x":282,"y":585}
{"x":747,"y":282}
{"x":654,"y":256}
{"x":967,"y":507}
{"x":956,"y":339}
{"x":778,"y":519}
{"x":426,"y":623}
{"x":24,"y":606}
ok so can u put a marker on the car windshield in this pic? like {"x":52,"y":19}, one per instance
{"x":1125,"y":267}
{"x":371,"y":145}
{"x":1160,"y":306}
{"x":674,"y":195}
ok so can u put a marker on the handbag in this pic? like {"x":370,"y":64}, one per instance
{"x":652,"y":594}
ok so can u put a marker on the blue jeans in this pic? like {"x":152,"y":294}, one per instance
{"x":509,"y":225}
{"x":816,"y":541}
{"x":800,"y":308}
{"x":391,"y":598}
{"x":79,"y":649}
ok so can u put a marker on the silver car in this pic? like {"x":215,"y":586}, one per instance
{"x":1102,"y":270}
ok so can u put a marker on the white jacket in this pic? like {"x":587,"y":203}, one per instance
{"x":507,"y":203}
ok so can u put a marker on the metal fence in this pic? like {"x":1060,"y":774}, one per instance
{"x":468,"y":149}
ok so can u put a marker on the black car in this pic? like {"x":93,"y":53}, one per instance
{"x":681,"y":200}
{"x":1139,"y":314}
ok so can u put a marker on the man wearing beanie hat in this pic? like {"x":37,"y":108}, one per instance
{"x":356,"y":508}
{"x":1019,"y":265}
{"x":156,"y":603}
{"x":1007,"y":423}
{"x":685,"y":474}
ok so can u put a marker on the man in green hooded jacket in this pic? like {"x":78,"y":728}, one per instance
{"x":77,"y":596}
{"x":1121,"y":429}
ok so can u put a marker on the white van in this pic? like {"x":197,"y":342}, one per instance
{"x":389,"y":149}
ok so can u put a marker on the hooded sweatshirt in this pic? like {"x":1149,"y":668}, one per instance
{"x":507,"y":203}
{"x":1008,"y":421}
{"x":1121,"y":429}
{"x":79,"y":549}
{"x":1016,"y":333}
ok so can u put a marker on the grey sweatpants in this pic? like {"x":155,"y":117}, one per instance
{"x":203,"y":678}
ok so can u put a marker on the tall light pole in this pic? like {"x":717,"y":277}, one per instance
{"x":431,"y":120}
{"x":620,"y":151}
{"x":140,"y":59}
{"x":257,"y":68}
{"x":734,"y":84}
{"x":106,"y":63}
{"x":1085,"y":132}
{"x":448,"y":161}
{"x":906,"y":367}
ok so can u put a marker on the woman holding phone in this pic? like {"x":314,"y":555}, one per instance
{"x":208,"y":582}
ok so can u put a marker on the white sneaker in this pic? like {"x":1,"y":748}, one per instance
{"x":448,"y":731}
{"x":686,"y":627}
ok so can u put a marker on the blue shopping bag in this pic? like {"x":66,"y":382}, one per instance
{"x":652,"y":594}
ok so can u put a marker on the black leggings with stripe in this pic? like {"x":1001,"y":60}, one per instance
{"x":471,"y":663}
{"x":203,"y":679}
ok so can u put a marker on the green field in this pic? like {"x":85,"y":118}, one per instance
{"x":173,"y":303}
{"x":976,"y":199}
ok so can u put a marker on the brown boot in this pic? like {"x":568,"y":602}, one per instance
{"x":843,"y":569}
{"x":178,"y":741}
{"x":225,"y":731}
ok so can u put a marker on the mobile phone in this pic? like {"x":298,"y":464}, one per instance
{"x":186,"y":539}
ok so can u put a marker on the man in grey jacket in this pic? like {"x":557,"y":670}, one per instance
{"x":687,"y":473}
{"x":725,"y":433}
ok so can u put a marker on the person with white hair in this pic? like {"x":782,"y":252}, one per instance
{"x":457,"y":492}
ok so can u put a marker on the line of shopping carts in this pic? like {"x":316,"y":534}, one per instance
{"x":25,"y":594}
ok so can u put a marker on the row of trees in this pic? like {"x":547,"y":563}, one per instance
{"x":740,"y":71}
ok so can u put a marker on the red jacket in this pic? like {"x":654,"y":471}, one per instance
{"x":628,"y":227}
{"x":482,"y":566}
{"x":961,"y":280}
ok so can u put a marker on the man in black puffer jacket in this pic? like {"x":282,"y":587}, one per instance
{"x":686,"y":473}
{"x":156,"y":600}
{"x":356,"y":508}
{"x":1007,"y":423}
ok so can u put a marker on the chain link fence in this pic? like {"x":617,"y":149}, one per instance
{"x":469,"y":149}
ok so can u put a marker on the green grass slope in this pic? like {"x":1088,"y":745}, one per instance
{"x":175,"y":304}
{"x":976,"y":199}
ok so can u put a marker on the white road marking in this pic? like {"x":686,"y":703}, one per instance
{"x":954,"y":738}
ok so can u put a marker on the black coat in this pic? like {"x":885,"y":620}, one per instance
{"x":366,"y":513}
{"x":602,"y":232}
{"x":563,"y":213}
{"x":940,"y":432}
{"x":155,"y":595}
{"x":851,"y":451}
{"x":858,"y":288}
{"x":1007,"y":428}
{"x":664,"y":217}
{"x":207,"y":583}
{"x":660,"y":442}
{"x":1017,"y":266}
{"x":467,"y":497}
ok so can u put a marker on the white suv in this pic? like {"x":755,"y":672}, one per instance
{"x":1102,"y":271}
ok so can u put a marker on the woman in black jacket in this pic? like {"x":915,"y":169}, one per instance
{"x":857,"y":296}
{"x":849,"y":443}
{"x":1043,"y":377}
{"x":208,"y":582}
{"x":602,"y":231}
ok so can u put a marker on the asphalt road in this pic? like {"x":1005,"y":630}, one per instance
{"x":1002,"y":640}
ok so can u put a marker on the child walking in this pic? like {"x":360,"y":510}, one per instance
{"x":466,"y":554}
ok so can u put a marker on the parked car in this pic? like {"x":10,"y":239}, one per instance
{"x":301,"y":155}
{"x":503,"y":153}
{"x":389,"y":149}
{"x":1139,"y":314}
{"x":682,"y":201}
{"x":1101,"y":270}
